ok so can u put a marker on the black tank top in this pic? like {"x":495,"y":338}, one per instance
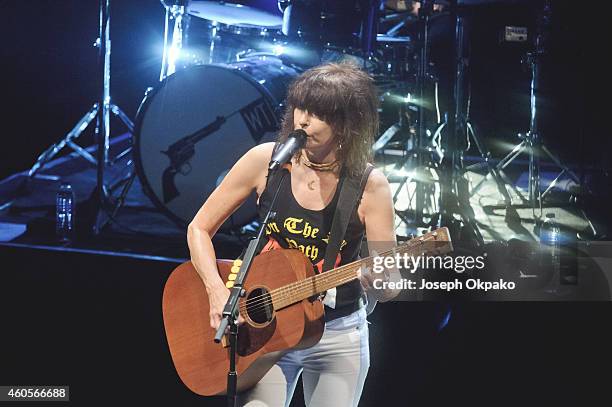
{"x":308,"y":230}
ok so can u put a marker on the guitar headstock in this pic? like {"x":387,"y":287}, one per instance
{"x":438,"y":241}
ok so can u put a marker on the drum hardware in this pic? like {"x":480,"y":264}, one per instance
{"x":531,"y":142}
{"x":369,"y":27}
{"x":220,"y":32}
{"x":405,"y":18}
{"x":100,"y":112}
{"x":101,"y":193}
{"x":418,"y":162}
{"x":455,"y":192}
{"x":492,"y":170}
{"x":393,"y":57}
{"x":175,"y":11}
{"x":324,"y":23}
{"x":436,"y":162}
{"x":454,"y":188}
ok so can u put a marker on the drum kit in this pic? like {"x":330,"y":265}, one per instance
{"x":225,"y":70}
{"x":249,"y":56}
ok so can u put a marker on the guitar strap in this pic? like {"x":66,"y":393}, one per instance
{"x":351,"y":190}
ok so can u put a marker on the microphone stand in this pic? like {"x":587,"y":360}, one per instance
{"x":230,"y":312}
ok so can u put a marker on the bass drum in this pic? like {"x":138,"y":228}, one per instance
{"x":197,"y":123}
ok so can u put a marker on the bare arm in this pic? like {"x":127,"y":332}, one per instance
{"x":247,"y":175}
{"x":378,"y":215}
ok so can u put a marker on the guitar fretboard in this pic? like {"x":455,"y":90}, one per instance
{"x":311,"y":286}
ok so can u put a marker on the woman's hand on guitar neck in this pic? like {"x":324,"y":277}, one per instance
{"x":217,"y":298}
{"x":376,"y":284}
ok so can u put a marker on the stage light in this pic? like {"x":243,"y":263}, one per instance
{"x":278,"y":49}
{"x":503,"y":145}
{"x":407,"y":99}
{"x":173,"y":56}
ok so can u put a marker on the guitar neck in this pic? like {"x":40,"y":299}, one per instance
{"x":300,"y":290}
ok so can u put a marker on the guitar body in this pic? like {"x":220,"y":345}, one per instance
{"x":281,"y":308}
{"x":266,"y":335}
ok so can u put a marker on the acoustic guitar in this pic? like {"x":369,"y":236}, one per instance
{"x":282,"y":311}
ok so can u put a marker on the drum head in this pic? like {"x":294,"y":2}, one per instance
{"x":193,"y":128}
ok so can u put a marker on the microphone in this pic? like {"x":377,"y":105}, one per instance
{"x":295,"y":141}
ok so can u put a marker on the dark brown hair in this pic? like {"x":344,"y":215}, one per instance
{"x":344,"y":97}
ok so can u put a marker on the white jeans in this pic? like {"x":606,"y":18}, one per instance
{"x":333,"y":370}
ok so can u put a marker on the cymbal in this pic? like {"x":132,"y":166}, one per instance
{"x":234,"y":14}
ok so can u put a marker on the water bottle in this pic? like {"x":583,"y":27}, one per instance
{"x":550,"y":244}
{"x":64,"y":213}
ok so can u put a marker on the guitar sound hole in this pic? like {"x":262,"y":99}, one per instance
{"x":259,"y":306}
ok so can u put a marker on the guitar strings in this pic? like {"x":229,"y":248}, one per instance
{"x":301,"y":289}
{"x":289,"y":291}
{"x":296,"y":293}
{"x":307,"y":283}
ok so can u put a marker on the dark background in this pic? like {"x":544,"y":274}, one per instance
{"x":95,"y":323}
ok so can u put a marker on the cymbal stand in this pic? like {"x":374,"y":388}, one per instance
{"x":95,"y":112}
{"x":454,"y":194}
{"x":100,"y":112}
{"x":102,"y":194}
{"x":531,"y":141}
{"x":419,"y":152}
{"x":464,"y":126}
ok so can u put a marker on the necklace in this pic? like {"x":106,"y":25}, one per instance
{"x":311,"y":185}
{"x":318,"y":167}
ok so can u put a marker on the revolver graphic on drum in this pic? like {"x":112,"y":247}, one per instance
{"x":180,"y":154}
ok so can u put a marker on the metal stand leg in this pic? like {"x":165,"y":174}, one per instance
{"x":116,"y":110}
{"x":491,"y":170}
{"x":564,"y":169}
{"x":68,"y":140}
{"x":106,"y":209}
{"x":128,"y":180}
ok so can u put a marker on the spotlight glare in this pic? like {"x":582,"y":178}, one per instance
{"x":278,"y":49}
